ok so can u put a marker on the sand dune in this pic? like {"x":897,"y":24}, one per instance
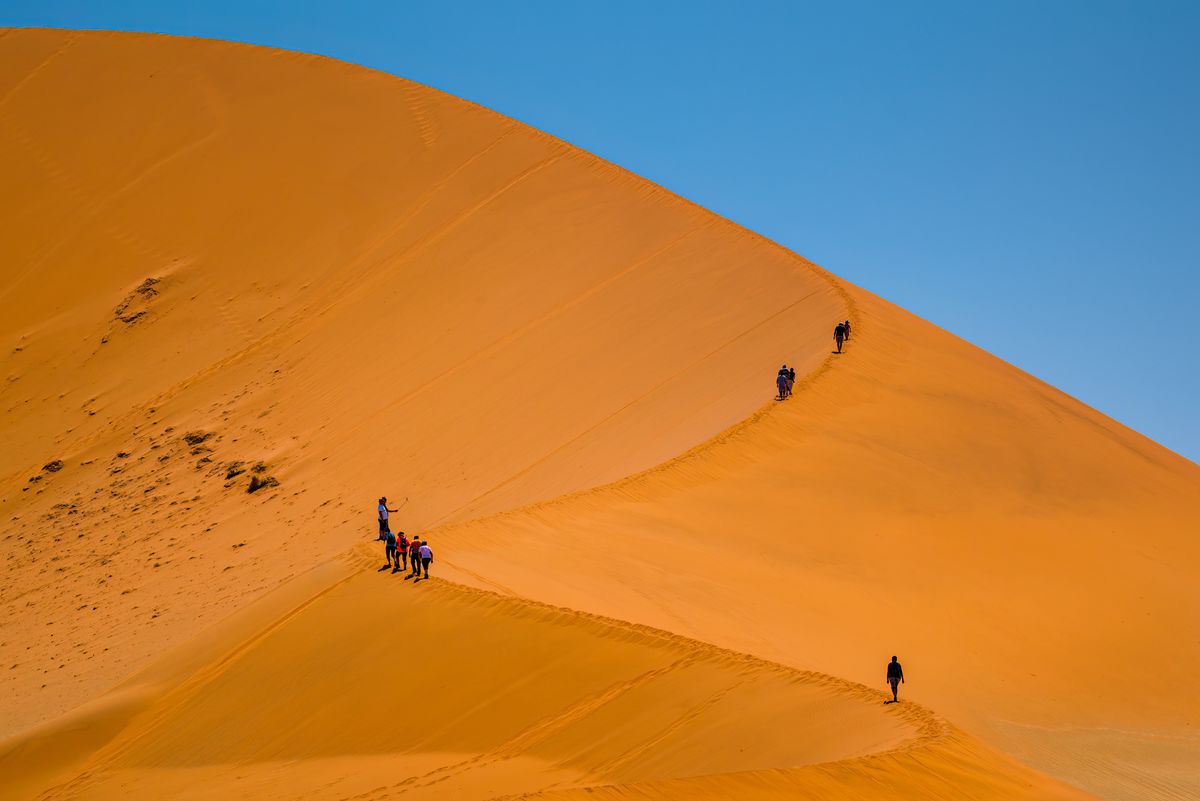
{"x":385,"y":697}
{"x":366,"y":285}
{"x":1033,"y":560}
{"x":227,"y":263}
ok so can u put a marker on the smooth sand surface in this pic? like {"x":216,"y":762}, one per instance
{"x":1033,"y":563}
{"x":377,"y":687}
{"x":368,"y":286}
{"x":225,"y":263}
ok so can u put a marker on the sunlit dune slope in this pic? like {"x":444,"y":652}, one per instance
{"x":226,"y":264}
{"x":372,"y":688}
{"x":1035,"y":565}
{"x":366,"y":285}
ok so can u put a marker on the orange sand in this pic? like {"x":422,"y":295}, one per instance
{"x":371,"y":287}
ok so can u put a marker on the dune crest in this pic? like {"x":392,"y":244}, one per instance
{"x":1031,"y":558}
{"x":357,"y":284}
{"x":251,"y":290}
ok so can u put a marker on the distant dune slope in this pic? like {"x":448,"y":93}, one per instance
{"x":1035,"y":565}
{"x":367,"y":285}
{"x":226,"y":264}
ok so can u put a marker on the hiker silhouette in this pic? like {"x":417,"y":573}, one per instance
{"x":783,"y":382}
{"x":895,"y":677}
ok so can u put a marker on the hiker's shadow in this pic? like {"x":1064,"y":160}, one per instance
{"x":385,"y":567}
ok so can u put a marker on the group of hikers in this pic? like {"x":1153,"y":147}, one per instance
{"x":413,"y":555}
{"x":841,"y":333}
{"x":785,"y":379}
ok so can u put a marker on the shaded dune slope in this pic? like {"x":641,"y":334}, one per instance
{"x":358,"y":284}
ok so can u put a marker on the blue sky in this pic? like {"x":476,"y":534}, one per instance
{"x":1025,"y":174}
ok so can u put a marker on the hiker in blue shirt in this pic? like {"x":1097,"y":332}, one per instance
{"x":390,"y":550}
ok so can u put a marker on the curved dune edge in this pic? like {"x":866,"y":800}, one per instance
{"x":210,"y":259}
{"x":856,"y":588}
{"x":975,"y":480}
{"x":193,"y":723}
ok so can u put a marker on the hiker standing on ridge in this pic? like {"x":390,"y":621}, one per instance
{"x":383,"y":517}
{"x":846,"y":325}
{"x":839,"y":335}
{"x":791,"y":380}
{"x":895,"y":677}
{"x":426,"y":554}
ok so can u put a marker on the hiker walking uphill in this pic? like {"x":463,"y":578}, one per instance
{"x":389,"y":550}
{"x":895,"y":677}
{"x":839,"y":335}
{"x":425,"y":554}
{"x":401,"y":551}
{"x":783,"y":383}
{"x":414,"y":557}
{"x":846,"y":325}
